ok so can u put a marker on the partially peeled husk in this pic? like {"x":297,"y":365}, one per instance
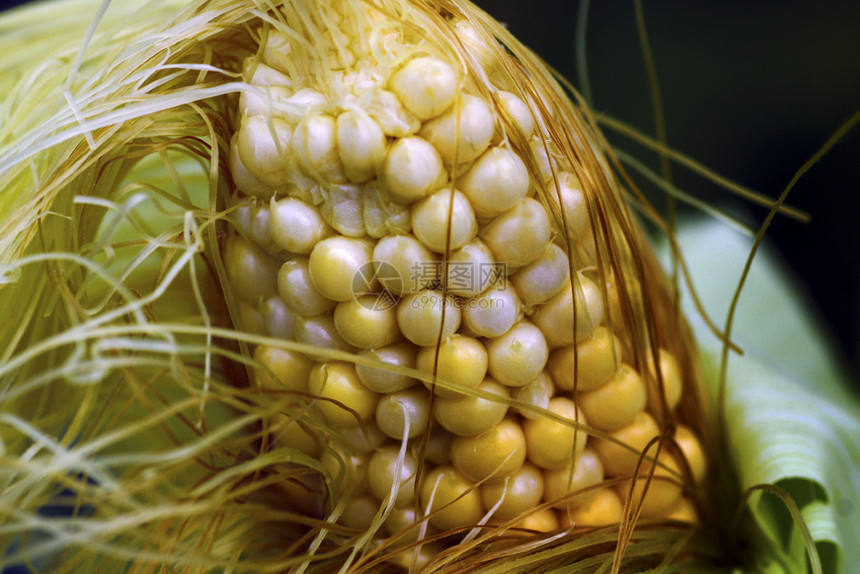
{"x":133,"y":433}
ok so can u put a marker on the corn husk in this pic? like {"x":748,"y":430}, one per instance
{"x":790,"y":413}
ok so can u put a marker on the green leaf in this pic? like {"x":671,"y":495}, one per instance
{"x":792,"y":419}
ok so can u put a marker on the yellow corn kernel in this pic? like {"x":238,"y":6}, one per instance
{"x":551,"y":443}
{"x":602,"y":509}
{"x":592,"y":361}
{"x":453,"y":499}
{"x":517,"y":357}
{"x":343,"y":399}
{"x":458,"y":359}
{"x":616,"y":402}
{"x":385,"y":468}
{"x":516,"y":493}
{"x":496,"y":453}
{"x":572,"y":485}
{"x":404,"y":413}
{"x":469,"y":415}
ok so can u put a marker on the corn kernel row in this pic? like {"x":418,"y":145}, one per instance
{"x":390,"y":215}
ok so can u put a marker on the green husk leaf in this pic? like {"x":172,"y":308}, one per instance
{"x":791,"y":417}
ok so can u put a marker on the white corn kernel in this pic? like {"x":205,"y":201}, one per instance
{"x":496,"y":182}
{"x":315,"y":147}
{"x":280,"y":321}
{"x":603,"y":508}
{"x":518,"y":356}
{"x":544,"y":277}
{"x":693,"y":451}
{"x":282,"y":368}
{"x":278,"y":51}
{"x":264,"y":75}
{"x":320,"y":332}
{"x":536,"y":394}
{"x":360,"y":144}
{"x":518,"y":494}
{"x":427,"y":316}
{"x":296,"y":226}
{"x":554,"y":444}
{"x":381,"y":471}
{"x":477,"y":45}
{"x":298,"y":292}
{"x":348,"y":471}
{"x":517,"y":112}
{"x":300,"y":104}
{"x":563,"y":486}
{"x":616,"y":402}
{"x":338,"y":382}
{"x":546,"y":157}
{"x":471,"y":270}
{"x":365,"y":324}
{"x":438,"y":446}
{"x":264,"y":101}
{"x":620,"y":458}
{"x":412,"y":169}
{"x":452,"y":498}
{"x":683,"y":510}
{"x":463,"y":132}
{"x":264,"y":147}
{"x":594,"y":360}
{"x":404,"y":413}
{"x":383,"y":380}
{"x":358,"y":512}
{"x":287,"y":432}
{"x":492,"y":313}
{"x":244,"y":180}
{"x":468,"y":415}
{"x":364,"y":439}
{"x":441,"y":226}
{"x":458,"y":359}
{"x":670,"y":373}
{"x":250,"y":318}
{"x":426,"y":86}
{"x":252,"y":218}
{"x":664,"y":489}
{"x":520,"y":235}
{"x":566,"y":190}
{"x":561,"y":323}
{"x":416,"y":267}
{"x":334,"y":264}
{"x":496,"y":453}
{"x":252,"y":272}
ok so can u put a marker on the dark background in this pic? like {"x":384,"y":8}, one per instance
{"x":751,"y":88}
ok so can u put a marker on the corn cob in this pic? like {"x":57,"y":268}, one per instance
{"x":451,"y":213}
{"x":458,"y":334}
